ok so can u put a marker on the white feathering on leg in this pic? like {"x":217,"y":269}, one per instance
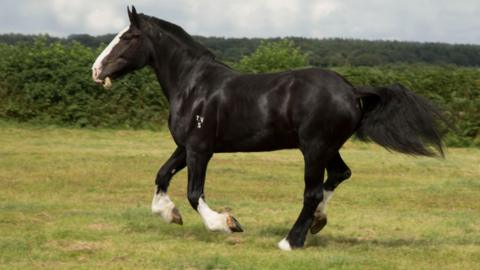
{"x":163,"y":206}
{"x":213,"y":220}
{"x":322,"y":207}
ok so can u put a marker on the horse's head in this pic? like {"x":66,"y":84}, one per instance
{"x":129,"y":50}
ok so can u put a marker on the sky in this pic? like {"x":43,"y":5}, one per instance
{"x":450,"y":21}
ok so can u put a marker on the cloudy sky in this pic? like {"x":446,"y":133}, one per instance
{"x":452,"y":21}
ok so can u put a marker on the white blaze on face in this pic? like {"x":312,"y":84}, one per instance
{"x":97,"y":66}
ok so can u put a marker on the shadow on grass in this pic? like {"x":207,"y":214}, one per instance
{"x":326,"y":240}
{"x":140,"y":221}
{"x":274,"y":231}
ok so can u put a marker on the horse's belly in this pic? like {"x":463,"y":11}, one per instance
{"x":258,"y":142}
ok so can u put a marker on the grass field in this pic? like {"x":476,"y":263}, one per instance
{"x":80,"y":199}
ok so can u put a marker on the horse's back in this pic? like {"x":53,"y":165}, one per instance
{"x":271,"y":110}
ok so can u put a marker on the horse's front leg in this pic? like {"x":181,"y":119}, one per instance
{"x":214,"y":221}
{"x":161,"y":203}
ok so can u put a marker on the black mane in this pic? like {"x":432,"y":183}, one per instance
{"x":177,"y":33}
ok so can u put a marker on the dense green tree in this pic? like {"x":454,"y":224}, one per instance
{"x":322,"y":52}
{"x":273,"y":56}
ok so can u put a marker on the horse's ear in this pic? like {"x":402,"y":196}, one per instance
{"x":133,"y":16}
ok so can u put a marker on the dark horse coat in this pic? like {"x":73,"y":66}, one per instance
{"x":214,"y":108}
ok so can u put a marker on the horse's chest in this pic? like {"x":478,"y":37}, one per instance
{"x":193,"y":128}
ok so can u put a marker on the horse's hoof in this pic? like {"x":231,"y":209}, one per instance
{"x":284,"y":245}
{"x":318,"y":224}
{"x":176,"y":217}
{"x":233,"y":224}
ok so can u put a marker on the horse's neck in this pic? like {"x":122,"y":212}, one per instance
{"x":181,"y":72}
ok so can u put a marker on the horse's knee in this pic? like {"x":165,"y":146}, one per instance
{"x":193,"y":198}
{"x":340,"y":174}
{"x":335,"y":178}
{"x":161,"y":176}
{"x":313,"y":196}
{"x":162,"y":179}
{"x":346,"y":174}
{"x":337,"y":170}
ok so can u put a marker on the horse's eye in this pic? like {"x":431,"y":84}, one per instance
{"x":128,"y":36}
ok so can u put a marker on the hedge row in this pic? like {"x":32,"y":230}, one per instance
{"x":51,"y":84}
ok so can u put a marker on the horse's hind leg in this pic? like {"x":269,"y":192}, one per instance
{"x":337,"y":171}
{"x":161,"y":203}
{"x":316,"y":156}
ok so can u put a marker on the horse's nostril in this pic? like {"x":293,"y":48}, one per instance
{"x":95,"y":73}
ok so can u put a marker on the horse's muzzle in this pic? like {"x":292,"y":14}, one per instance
{"x":106,"y":82}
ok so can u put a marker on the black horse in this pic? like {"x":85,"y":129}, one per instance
{"x":214,"y":108}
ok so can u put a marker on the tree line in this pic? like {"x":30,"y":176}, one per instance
{"x":322,"y":52}
{"x":49,"y":82}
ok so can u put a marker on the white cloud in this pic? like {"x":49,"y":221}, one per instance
{"x":102,"y":21}
{"x":94,"y":17}
{"x":68,"y":12}
{"x":423,"y":20}
{"x":322,"y":9}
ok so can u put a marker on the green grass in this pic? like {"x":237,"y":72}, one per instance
{"x":80,"y":199}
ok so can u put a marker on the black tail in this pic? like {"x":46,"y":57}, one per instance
{"x":400,"y":120}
